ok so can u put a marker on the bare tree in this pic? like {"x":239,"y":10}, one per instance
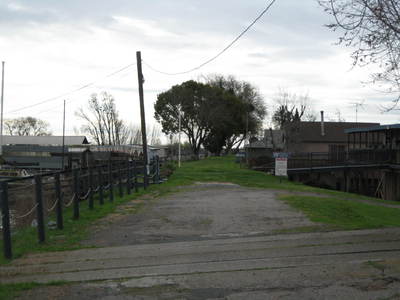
{"x":26,"y":126}
{"x":153,"y":134}
{"x":102,"y":122}
{"x":292,"y":108}
{"x":339,"y":116}
{"x":372,"y":27}
{"x":135,"y":134}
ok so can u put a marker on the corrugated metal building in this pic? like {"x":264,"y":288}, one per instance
{"x":44,"y":140}
{"x":43,"y":152}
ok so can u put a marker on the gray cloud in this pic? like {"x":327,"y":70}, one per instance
{"x":179,"y":15}
{"x":80,"y":39}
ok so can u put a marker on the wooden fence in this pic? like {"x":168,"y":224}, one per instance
{"x":29,"y":200}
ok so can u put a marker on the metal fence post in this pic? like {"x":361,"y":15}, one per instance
{"x":128,"y":177}
{"x":120,"y":187}
{"x":59,"y":206}
{"x":110,"y":181}
{"x":39,"y":209}
{"x":91,"y":200}
{"x":145,"y":178}
{"x":158,"y":169}
{"x":135,"y":176}
{"x":100,"y":182}
{"x":153,"y":170}
{"x":5,"y":218}
{"x":76,"y":196}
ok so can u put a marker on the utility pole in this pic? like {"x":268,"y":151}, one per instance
{"x":142,"y":115}
{"x":63,"y":141}
{"x":1,"y":116}
{"x":246,"y":137}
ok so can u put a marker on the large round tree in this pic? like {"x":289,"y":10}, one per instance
{"x":210,"y":115}
{"x":191,"y":99}
{"x":249,"y":119}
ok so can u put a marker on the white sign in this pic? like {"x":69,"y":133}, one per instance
{"x":281,"y":166}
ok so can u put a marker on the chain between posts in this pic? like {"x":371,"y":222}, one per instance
{"x":54,"y":205}
{"x":70,"y":202}
{"x":28,"y":213}
{"x":126,"y":175}
{"x":86,"y":195}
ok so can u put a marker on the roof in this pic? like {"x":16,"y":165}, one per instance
{"x":334,"y":131}
{"x":257,"y":144}
{"x":152,"y":147}
{"x":43,"y":140}
{"x":373,"y":128}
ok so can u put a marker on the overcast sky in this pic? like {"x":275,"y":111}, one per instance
{"x":53,"y":47}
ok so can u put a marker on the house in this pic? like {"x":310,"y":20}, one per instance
{"x":327,"y":137}
{"x":273,"y":141}
{"x":305,"y":137}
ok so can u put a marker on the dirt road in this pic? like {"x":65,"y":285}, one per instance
{"x":203,"y":211}
{"x":214,"y":241}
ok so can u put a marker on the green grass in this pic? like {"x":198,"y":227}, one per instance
{"x":219,"y":169}
{"x":344,"y":214}
{"x":11,"y":290}
{"x":224,"y":169}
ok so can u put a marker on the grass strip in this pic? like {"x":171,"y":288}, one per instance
{"x":11,"y":290}
{"x":344,"y":214}
{"x":224,"y":169}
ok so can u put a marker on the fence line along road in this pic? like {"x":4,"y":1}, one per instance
{"x":85,"y":183}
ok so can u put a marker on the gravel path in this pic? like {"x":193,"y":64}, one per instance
{"x":203,"y":211}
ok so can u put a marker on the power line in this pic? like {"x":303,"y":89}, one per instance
{"x":150,"y":67}
{"x":219,"y":53}
{"x":73,"y":91}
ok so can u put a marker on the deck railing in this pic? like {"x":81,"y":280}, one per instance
{"x":352,"y":157}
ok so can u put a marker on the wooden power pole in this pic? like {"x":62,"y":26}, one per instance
{"x":63,"y":141}
{"x":142,"y":115}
